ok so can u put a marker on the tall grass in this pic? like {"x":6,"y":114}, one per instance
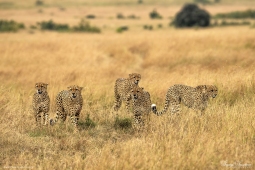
{"x":220,"y":56}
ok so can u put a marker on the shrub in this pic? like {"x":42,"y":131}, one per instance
{"x":122,"y":123}
{"x":84,"y":26}
{"x":121,"y":29}
{"x":160,"y":25}
{"x":39,"y":2}
{"x":50,"y":25}
{"x":192,"y":15}
{"x":234,"y":23}
{"x":148,"y":27}
{"x":237,"y":15}
{"x":10,"y":26}
{"x":120,"y":16}
{"x":33,"y":27}
{"x":132,"y":16}
{"x":89,"y":123}
{"x":90,"y":16}
{"x":155,"y":15}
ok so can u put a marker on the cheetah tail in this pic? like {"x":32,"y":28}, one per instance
{"x":158,"y":113}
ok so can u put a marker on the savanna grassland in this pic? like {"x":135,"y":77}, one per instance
{"x":221,"y":56}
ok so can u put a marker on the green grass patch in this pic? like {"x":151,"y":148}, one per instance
{"x":38,"y":133}
{"x":121,"y":29}
{"x":84,"y":26}
{"x":88,"y":123}
{"x":122,"y":123}
{"x":248,"y":14}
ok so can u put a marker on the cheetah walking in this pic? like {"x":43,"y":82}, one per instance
{"x":69,"y":102}
{"x":195,"y":98}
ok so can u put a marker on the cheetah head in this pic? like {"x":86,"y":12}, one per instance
{"x":74,"y":91}
{"x":135,"y":78}
{"x":209,"y":90}
{"x":41,"y":88}
{"x":212,"y":90}
{"x":136,"y":92}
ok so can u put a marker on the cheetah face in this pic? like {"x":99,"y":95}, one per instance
{"x":40,"y":87}
{"x":136,"y":92}
{"x":212,"y":91}
{"x":135,"y":78}
{"x":74,"y":91}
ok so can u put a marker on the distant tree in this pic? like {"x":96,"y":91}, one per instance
{"x":192,"y":15}
{"x":155,"y":15}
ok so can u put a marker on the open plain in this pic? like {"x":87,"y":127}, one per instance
{"x":223,"y":56}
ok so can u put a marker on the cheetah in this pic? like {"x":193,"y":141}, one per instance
{"x":41,"y":103}
{"x":195,"y":98}
{"x":141,"y":103}
{"x":69,"y":102}
{"x":122,"y":88}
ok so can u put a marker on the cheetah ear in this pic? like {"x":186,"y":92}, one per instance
{"x":142,"y":88}
{"x":69,"y":87}
{"x":81,"y":88}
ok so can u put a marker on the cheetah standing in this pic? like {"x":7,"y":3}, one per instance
{"x":41,"y":103}
{"x":141,"y":103}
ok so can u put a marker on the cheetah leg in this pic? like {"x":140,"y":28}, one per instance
{"x":38,"y":119}
{"x":117,"y":103}
{"x":74,"y":120}
{"x":128,"y":104}
{"x":138,"y":122}
{"x":45,"y":118}
{"x":175,"y":108}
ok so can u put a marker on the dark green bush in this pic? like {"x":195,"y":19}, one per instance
{"x":91,"y":16}
{"x":155,"y":15}
{"x":248,"y":14}
{"x":84,"y":26}
{"x":51,"y":25}
{"x":148,"y":27}
{"x":10,"y":26}
{"x":121,"y":29}
{"x":191,"y":15}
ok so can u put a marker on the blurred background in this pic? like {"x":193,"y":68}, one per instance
{"x":122,"y":15}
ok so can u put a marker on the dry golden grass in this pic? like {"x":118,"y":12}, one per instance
{"x":221,"y":56}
